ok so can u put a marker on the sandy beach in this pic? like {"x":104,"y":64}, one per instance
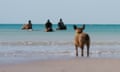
{"x":66,"y":65}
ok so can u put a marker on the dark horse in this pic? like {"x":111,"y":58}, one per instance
{"x":61,"y":25}
{"x":48,"y":26}
{"x":27,"y":26}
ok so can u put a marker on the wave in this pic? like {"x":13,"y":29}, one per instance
{"x":35,"y":43}
{"x":52,"y":43}
{"x":58,"y":53}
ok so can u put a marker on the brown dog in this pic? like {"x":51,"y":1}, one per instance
{"x":81,"y":39}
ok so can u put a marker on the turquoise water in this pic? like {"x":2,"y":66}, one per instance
{"x":13,"y":32}
{"x":19,"y":45}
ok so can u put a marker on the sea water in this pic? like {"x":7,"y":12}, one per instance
{"x":18,"y":45}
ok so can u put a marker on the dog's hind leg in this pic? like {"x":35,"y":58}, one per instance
{"x":88,"y":48}
{"x":82,"y":51}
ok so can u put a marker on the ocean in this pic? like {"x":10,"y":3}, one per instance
{"x":18,"y":45}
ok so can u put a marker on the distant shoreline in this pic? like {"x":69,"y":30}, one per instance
{"x":65,"y":23}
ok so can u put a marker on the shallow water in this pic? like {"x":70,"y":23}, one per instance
{"x":19,"y":45}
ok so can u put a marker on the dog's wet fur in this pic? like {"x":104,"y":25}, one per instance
{"x":81,"y":40}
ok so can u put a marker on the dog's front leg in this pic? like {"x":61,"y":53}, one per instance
{"x":76,"y":48}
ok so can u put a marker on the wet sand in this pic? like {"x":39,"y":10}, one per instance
{"x":66,"y":65}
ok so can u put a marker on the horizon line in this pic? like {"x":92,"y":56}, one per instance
{"x":64,"y":23}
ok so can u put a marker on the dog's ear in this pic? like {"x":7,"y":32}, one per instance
{"x":83,"y":26}
{"x":75,"y":27}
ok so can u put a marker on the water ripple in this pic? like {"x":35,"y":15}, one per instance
{"x":51,"y":43}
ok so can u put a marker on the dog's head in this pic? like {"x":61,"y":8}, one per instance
{"x":79,"y":30}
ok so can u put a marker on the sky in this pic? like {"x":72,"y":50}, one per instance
{"x":71,"y":11}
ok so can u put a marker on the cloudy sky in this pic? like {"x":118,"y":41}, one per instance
{"x":71,"y":11}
